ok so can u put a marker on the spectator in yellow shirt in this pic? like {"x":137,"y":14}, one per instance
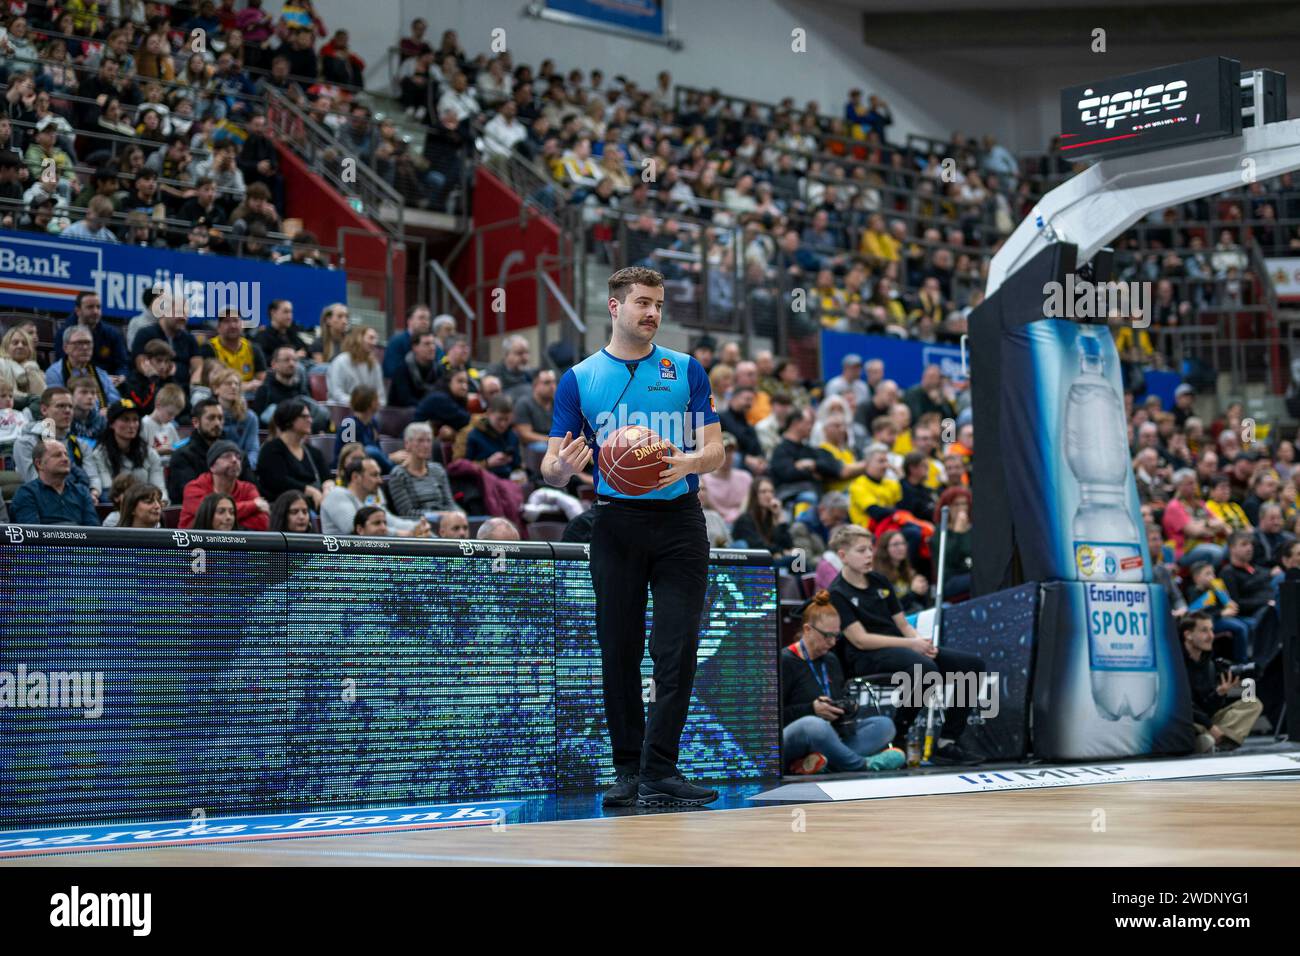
{"x":836,"y":432}
{"x":925,"y":441}
{"x":1221,"y":505}
{"x":929,"y":302}
{"x":877,"y":246}
{"x":579,"y":168}
{"x":901,"y":416}
{"x":1134,"y":345}
{"x":873,"y":489}
{"x":85,"y":15}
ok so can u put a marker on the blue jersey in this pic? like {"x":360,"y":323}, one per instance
{"x":667,"y":392}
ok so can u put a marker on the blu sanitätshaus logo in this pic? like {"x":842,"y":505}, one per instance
{"x":47,"y":273}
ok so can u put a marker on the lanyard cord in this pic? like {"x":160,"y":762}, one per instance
{"x":824,"y":682}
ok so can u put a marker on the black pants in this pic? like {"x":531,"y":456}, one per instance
{"x":662,"y":546}
{"x":893,"y":660}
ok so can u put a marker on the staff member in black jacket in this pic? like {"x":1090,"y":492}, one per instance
{"x":811,"y":679}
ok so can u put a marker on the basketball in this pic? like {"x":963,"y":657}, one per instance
{"x":629,"y":460}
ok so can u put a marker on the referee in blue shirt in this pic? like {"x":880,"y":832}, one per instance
{"x":656,"y":540}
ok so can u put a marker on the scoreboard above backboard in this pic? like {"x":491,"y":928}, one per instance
{"x":1155,"y":109}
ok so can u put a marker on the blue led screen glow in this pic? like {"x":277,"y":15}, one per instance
{"x":268,"y":673}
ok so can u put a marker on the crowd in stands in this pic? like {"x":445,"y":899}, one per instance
{"x":767,"y":201}
{"x":432,"y":442}
{"x":776,"y":207}
{"x":146,"y":123}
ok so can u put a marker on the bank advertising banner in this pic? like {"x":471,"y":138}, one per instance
{"x":47,"y":272}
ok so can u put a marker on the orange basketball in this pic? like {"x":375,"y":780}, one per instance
{"x":629,"y":460}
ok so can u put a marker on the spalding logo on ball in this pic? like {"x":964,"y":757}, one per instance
{"x":630,"y":460}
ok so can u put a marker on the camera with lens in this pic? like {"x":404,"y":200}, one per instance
{"x":1230,"y":669}
{"x":849,"y":705}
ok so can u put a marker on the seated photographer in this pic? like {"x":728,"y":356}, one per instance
{"x":881,"y":641}
{"x":1221,"y":724}
{"x":816,"y":735}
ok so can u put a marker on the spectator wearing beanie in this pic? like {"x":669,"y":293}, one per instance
{"x":224,"y":461}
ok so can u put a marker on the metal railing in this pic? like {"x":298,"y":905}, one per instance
{"x":477,"y":299}
{"x":333,"y":162}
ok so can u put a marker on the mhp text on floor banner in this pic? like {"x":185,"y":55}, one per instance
{"x":47,"y":272}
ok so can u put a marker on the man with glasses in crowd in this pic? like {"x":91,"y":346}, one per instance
{"x":79,"y":344}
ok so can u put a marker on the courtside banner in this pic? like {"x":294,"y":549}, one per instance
{"x":262,"y":827}
{"x":1038,"y":778}
{"x":46,"y":272}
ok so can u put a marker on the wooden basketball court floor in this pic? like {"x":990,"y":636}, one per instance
{"x":1153,"y":823}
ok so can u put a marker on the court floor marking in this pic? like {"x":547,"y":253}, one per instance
{"x":427,"y":857}
{"x":247,"y":843}
{"x":1173,"y":823}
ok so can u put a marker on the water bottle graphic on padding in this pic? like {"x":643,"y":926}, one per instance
{"x":1121,"y":628}
{"x":1106,"y":539}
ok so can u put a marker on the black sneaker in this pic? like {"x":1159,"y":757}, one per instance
{"x":623,"y":793}
{"x":954,"y":754}
{"x":674,"y":791}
